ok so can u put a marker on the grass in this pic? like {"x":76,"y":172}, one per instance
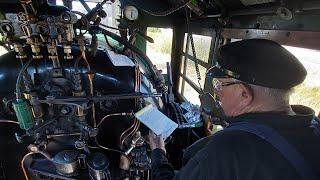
{"x":307,"y":95}
{"x":162,"y":40}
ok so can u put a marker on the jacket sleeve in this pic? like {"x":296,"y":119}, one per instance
{"x":161,"y":169}
{"x":222,"y":158}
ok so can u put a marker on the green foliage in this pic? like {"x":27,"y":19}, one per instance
{"x":154,"y":30}
{"x":161,"y":44}
{"x":307,"y":95}
{"x":165,"y":46}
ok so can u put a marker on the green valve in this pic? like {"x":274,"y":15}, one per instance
{"x":23,"y":113}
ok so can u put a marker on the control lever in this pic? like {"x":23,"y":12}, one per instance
{"x":137,"y":140}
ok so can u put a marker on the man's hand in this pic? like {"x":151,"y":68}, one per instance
{"x":156,"y":141}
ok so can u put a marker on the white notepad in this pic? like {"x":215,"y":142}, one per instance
{"x":119,"y":59}
{"x":155,"y":120}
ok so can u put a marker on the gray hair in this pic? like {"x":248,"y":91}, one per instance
{"x":272,"y":95}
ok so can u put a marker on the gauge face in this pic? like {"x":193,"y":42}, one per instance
{"x":131,"y":13}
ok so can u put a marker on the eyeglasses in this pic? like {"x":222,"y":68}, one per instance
{"x":217,"y":85}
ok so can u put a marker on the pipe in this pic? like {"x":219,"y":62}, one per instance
{"x":108,"y":149}
{"x":132,"y":132}
{"x":22,"y":165}
{"x":8,"y":121}
{"x":62,"y":135}
{"x":26,"y":156}
{"x":127,"y":130}
{"x":115,"y":114}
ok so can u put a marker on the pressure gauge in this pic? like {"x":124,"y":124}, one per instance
{"x":131,"y":13}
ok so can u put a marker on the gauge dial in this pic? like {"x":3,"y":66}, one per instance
{"x":131,"y":13}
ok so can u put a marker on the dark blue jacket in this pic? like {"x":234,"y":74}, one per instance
{"x":238,"y":155}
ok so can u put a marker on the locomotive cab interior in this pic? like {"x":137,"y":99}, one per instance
{"x":73,"y":74}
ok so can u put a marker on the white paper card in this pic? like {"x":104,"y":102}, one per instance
{"x":155,"y":120}
{"x":119,"y":59}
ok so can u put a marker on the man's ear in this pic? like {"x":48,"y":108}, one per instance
{"x":246,"y":95}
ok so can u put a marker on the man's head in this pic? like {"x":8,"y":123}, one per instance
{"x":255,"y":76}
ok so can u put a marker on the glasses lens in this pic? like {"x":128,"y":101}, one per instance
{"x":216,"y":84}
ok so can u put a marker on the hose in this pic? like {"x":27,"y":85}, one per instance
{"x":23,"y":69}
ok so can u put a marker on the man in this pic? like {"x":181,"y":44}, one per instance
{"x":253,"y":81}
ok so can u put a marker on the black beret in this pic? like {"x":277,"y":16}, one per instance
{"x":260,"y":62}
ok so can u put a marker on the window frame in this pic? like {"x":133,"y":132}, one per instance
{"x":185,"y":56}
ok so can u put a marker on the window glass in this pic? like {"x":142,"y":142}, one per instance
{"x":308,"y":93}
{"x":202,"y":47}
{"x":192,"y":74}
{"x":191,"y":94}
{"x":2,"y":50}
{"x":160,"y":51}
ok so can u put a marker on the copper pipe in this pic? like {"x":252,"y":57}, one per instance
{"x":91,"y":77}
{"x":22,"y":165}
{"x":115,"y":114}
{"x":106,"y":148}
{"x":136,"y":123}
{"x":47,"y":156}
{"x":127,"y":130}
{"x":62,"y":135}
{"x":132,"y":132}
{"x":8,"y":121}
